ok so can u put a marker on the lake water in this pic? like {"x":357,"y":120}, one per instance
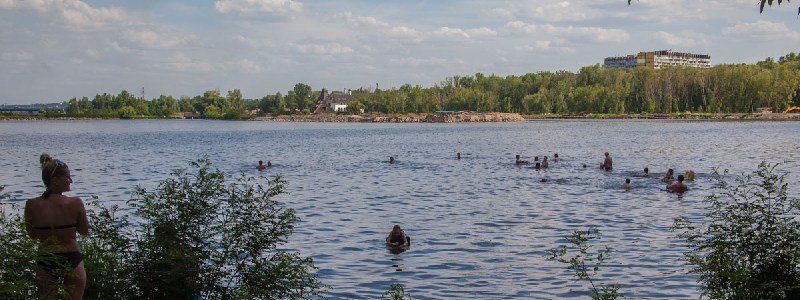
{"x":481,"y":227}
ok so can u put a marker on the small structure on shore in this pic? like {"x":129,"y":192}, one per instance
{"x":335,"y":101}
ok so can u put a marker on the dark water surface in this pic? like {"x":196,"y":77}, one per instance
{"x":481,"y":227}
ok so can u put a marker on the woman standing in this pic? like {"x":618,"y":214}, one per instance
{"x":54,"y":220}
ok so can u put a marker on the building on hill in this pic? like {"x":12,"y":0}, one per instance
{"x":658,"y":60}
{"x":335,"y":101}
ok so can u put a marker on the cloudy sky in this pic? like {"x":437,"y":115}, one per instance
{"x":52,"y":50}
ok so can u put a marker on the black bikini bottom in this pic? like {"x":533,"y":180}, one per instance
{"x":60,"y":261}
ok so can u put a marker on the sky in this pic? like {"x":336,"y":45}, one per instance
{"x":53,"y":50}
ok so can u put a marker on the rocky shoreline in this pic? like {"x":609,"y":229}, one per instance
{"x":682,"y":116}
{"x":401,"y":118}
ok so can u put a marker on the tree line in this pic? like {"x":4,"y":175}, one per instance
{"x":730,"y":88}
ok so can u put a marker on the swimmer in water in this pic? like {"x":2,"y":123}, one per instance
{"x":646,"y":172}
{"x":584,"y":166}
{"x":689,"y":175}
{"x":607,"y":163}
{"x":536,"y":158}
{"x":543,"y":180}
{"x":538,"y":166}
{"x":398,"y":238}
{"x":458,"y":155}
{"x":519,"y":161}
{"x":678,"y":187}
{"x":669,"y":177}
{"x":261,"y":165}
{"x":555,"y":157}
{"x":391,"y":159}
{"x":627,"y":184}
{"x":269,"y":163}
{"x":545,"y":164}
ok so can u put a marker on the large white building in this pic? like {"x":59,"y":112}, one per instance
{"x":658,"y":60}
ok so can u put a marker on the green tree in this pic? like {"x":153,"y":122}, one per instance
{"x":747,"y":246}
{"x":586,"y":263}
{"x":302,"y":94}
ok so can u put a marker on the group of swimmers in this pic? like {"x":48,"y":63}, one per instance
{"x":608,"y":164}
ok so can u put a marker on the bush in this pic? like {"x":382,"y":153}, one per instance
{"x":18,"y":253}
{"x":197,"y":234}
{"x":396,"y":292}
{"x":585,"y":263}
{"x":748,"y":244}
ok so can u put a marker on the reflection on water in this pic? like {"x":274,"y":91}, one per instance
{"x":482,"y":227}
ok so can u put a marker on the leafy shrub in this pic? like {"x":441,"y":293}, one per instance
{"x":17,"y":255}
{"x":396,"y":292}
{"x":748,"y":244}
{"x":585,"y":263}
{"x":197,"y":234}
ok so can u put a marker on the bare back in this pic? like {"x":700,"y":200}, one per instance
{"x":55,"y":221}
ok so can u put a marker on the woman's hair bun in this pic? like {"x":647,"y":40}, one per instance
{"x":44,"y":159}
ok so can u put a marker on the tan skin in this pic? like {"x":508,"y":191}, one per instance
{"x":57,"y":210}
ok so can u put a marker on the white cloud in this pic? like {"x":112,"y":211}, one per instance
{"x":248,"y":66}
{"x":461,"y":34}
{"x":75,"y":14}
{"x":181,"y":62}
{"x":153,"y":39}
{"x":253,"y":43}
{"x":405,"y":33}
{"x":16,"y":56}
{"x":431,"y":61}
{"x":545,"y":46}
{"x":272,"y":7}
{"x":762,"y":30}
{"x":322,"y":49}
{"x":359,"y":21}
{"x":685,"y":38}
{"x":552,"y":11}
{"x":597,"y":34}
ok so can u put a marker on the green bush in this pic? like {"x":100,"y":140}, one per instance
{"x":396,"y":292}
{"x":17,"y":255}
{"x":585,"y":262}
{"x":197,"y":234}
{"x":748,"y":244}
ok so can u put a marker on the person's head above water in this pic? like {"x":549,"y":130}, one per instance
{"x":536,"y":158}
{"x":269,"y":163}
{"x":670,"y":172}
{"x":646,"y":170}
{"x":680,"y":178}
{"x":627,"y":180}
{"x":517,"y":156}
{"x":55,"y":175}
{"x":260,"y":162}
{"x":538,"y":165}
{"x":391,"y":159}
{"x":606,"y":154}
{"x":555,"y":155}
{"x":396,"y":230}
{"x":458,"y":155}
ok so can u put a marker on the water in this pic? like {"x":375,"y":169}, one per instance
{"x":481,"y":227}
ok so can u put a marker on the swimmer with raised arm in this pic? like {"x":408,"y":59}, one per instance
{"x":55,"y":219}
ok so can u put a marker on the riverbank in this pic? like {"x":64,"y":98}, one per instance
{"x":401,"y":118}
{"x":680,"y":116}
{"x":464,"y":117}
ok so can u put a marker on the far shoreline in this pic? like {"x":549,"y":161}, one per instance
{"x":451,"y":117}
